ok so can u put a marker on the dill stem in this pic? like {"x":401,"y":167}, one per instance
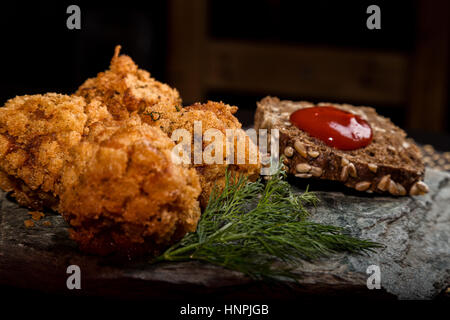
{"x":168,"y":255}
{"x":172,"y":255}
{"x":234,"y":237}
{"x":221,"y":229}
{"x":250,"y":225}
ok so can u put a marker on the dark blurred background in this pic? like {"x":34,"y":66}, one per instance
{"x":241,"y":51}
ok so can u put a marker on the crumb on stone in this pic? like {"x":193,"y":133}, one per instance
{"x":36,"y":215}
{"x":47,"y":223}
{"x":28,"y":223}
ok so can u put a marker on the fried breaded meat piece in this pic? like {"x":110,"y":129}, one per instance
{"x":103,"y":158}
{"x":113,"y":181}
{"x":126,"y":89}
{"x":120,"y":179}
{"x":36,"y":133}
{"x":216,"y":115}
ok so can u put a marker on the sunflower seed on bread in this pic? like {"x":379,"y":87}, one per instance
{"x":390,"y":164}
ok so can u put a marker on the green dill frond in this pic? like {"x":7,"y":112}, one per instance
{"x":253,"y":226}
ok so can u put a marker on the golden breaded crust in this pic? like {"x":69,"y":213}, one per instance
{"x":124,"y":88}
{"x":36,"y":133}
{"x":113,"y":181}
{"x":121,"y":189}
{"x":213,"y":115}
{"x":103,"y":158}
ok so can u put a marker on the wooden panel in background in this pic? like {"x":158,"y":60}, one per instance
{"x":429,"y":96}
{"x":328,"y":73}
{"x":187,"y":36}
{"x":415,"y":80}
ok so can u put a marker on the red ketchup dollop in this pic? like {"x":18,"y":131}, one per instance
{"x":337,"y":128}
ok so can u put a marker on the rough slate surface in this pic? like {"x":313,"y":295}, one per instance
{"x":414,"y":264}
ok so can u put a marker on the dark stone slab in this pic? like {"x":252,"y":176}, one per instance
{"x":414,"y":264}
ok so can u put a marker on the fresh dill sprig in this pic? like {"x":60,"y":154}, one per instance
{"x":253,"y":226}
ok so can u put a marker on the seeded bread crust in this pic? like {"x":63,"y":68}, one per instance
{"x":390,"y":164}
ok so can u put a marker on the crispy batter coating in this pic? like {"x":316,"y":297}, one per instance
{"x":126,"y":89}
{"x":120,"y":179}
{"x":214,"y":115}
{"x":113,"y":181}
{"x":36,"y":133}
{"x":102,"y":158}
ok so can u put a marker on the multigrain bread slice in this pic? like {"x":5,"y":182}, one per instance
{"x":391,"y":163}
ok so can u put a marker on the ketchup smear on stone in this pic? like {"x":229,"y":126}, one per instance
{"x":337,"y":128}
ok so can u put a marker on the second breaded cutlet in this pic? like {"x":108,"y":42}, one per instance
{"x":125,"y":89}
{"x":112,"y":180}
